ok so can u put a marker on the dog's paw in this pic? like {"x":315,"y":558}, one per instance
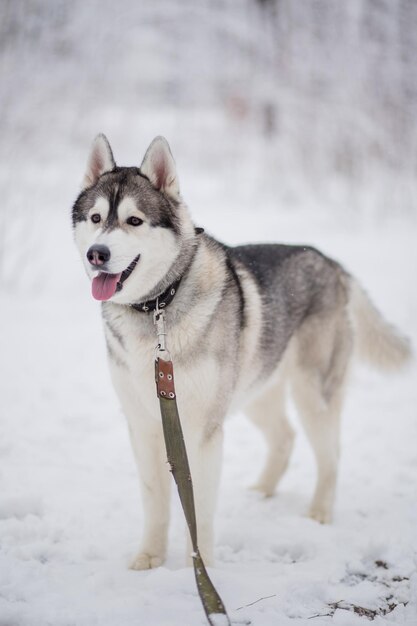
{"x":146,"y":561}
{"x":320,"y":514}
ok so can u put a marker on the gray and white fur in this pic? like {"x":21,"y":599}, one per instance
{"x":244,"y":323}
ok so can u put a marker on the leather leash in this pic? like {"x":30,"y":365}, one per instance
{"x":180,"y":469}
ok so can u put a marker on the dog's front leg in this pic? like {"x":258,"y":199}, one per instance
{"x":149,"y":450}
{"x":204,"y":449}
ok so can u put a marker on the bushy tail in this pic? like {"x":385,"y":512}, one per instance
{"x":377,"y":342}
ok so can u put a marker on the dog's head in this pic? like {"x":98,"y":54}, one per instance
{"x":130,"y":223}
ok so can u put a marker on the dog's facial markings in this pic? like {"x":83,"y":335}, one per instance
{"x":130,"y":220}
{"x":156,"y":206}
{"x":97,"y":215}
{"x":114,"y":198}
{"x":130,"y":216}
{"x":130,"y":231}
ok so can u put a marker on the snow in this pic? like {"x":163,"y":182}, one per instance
{"x":218,"y":619}
{"x":70,"y":514}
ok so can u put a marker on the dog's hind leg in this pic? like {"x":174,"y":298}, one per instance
{"x":268,"y":413}
{"x":318,"y":383}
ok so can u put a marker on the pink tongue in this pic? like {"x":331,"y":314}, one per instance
{"x":104,"y":285}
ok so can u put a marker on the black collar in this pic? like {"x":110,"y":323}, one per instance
{"x":160,"y":301}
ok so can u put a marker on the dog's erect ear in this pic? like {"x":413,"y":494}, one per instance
{"x":159,"y":166}
{"x":100,"y":161}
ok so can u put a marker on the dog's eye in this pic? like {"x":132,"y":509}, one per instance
{"x":134,"y":221}
{"x":95,"y":218}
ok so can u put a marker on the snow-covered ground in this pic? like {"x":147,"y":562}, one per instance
{"x":70,"y":515}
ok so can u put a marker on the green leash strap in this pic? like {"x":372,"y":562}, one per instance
{"x":179,"y":466}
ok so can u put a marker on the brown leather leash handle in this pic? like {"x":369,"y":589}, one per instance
{"x":179,"y":466}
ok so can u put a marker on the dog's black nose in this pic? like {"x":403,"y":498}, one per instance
{"x":98,"y":254}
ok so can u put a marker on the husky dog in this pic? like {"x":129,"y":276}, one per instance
{"x":242,"y":322}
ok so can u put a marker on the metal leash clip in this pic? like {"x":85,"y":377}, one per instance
{"x":159,"y":322}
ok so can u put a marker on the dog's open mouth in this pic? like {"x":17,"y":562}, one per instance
{"x":105,"y":285}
